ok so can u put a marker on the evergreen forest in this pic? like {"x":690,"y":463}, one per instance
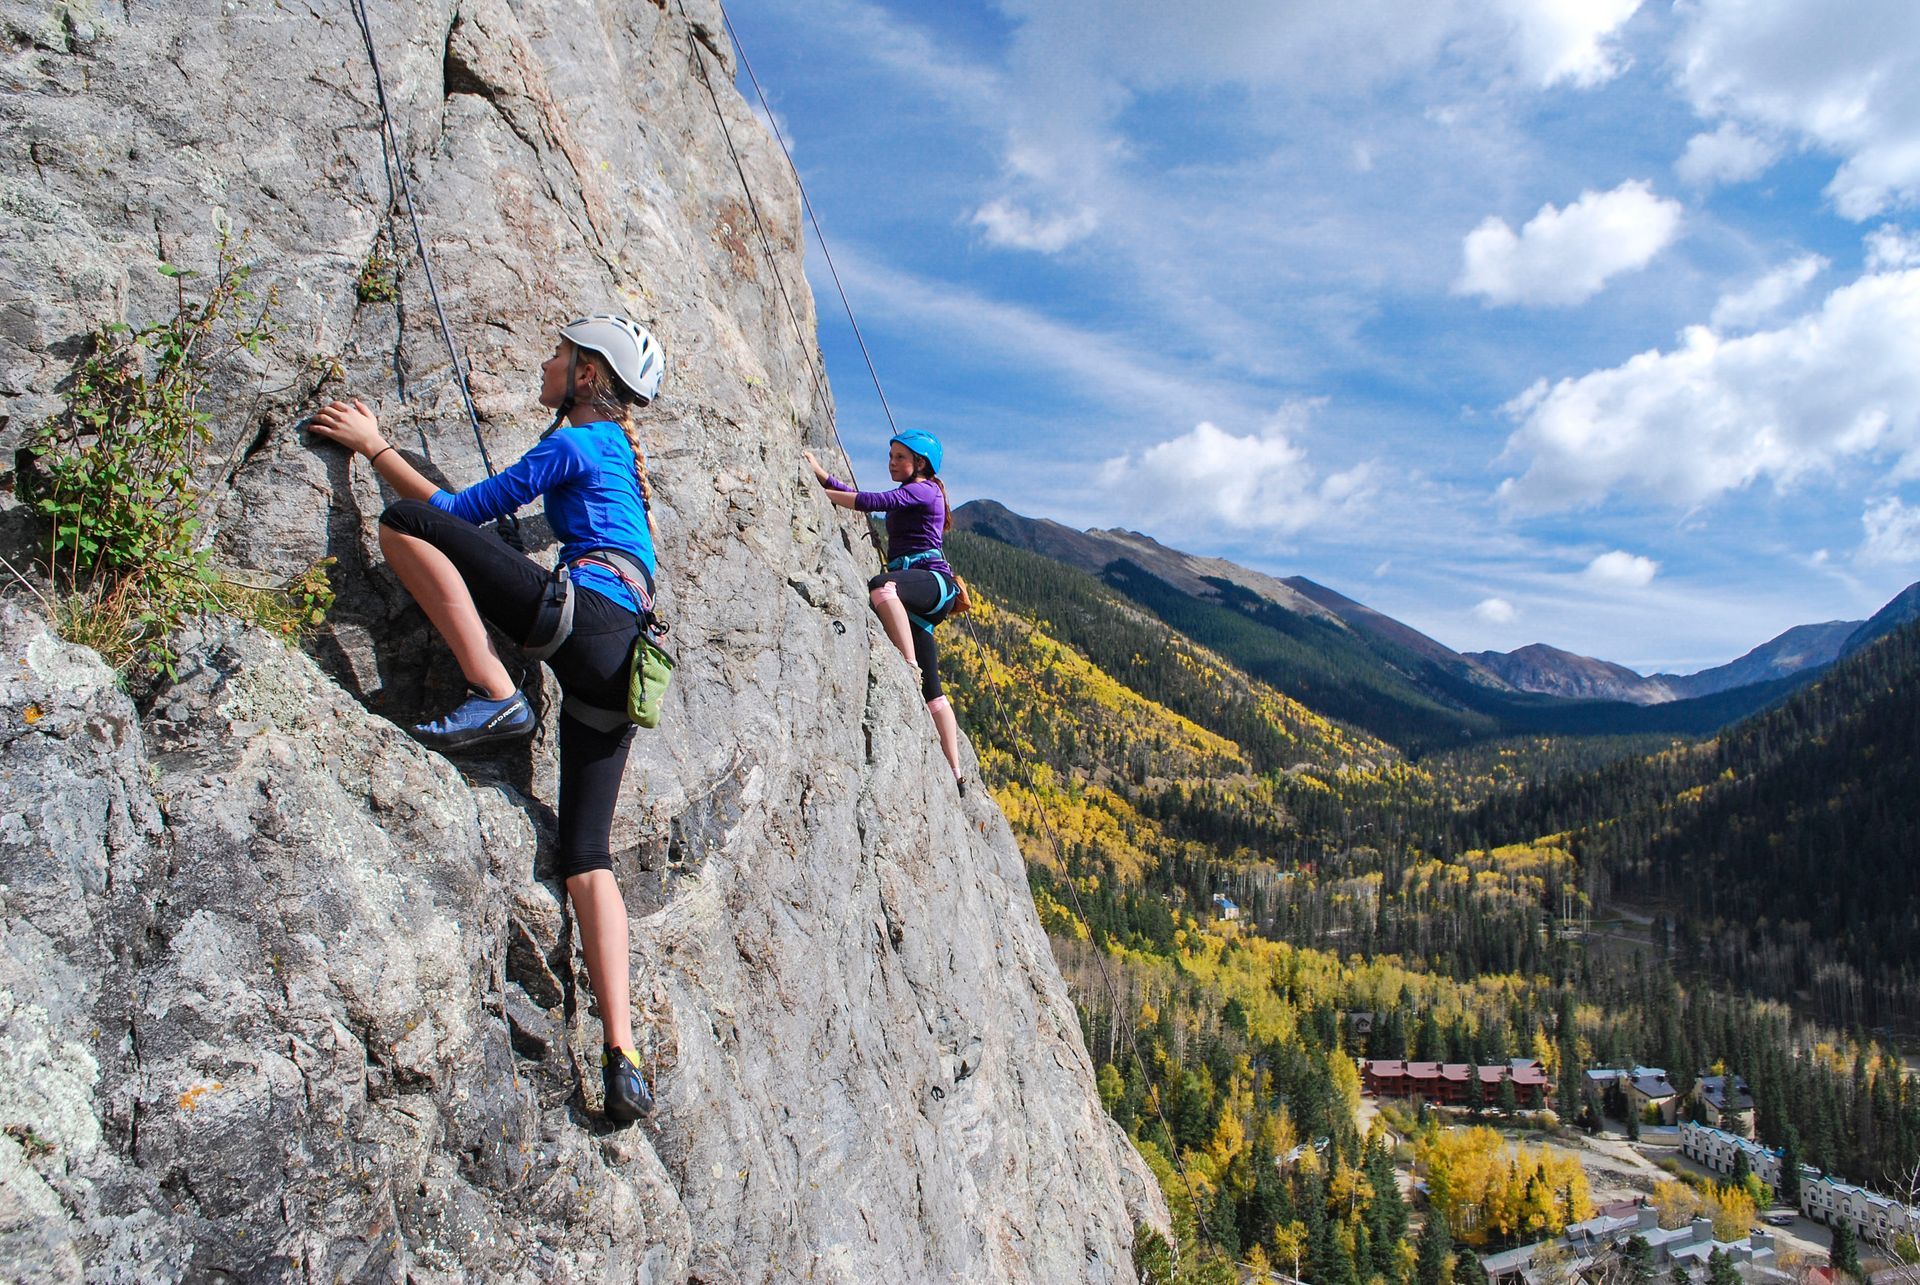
{"x":1248,"y":888}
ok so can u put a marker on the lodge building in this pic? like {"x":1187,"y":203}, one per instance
{"x":1456,"y":1084}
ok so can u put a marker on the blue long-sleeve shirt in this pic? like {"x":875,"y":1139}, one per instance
{"x":585,"y":471}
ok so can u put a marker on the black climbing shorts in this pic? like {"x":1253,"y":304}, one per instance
{"x":919,"y":593}
{"x":507,"y":587}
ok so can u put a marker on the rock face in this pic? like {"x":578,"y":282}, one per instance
{"x":284,"y":995}
{"x":1553,"y":672}
{"x":1795,"y":651}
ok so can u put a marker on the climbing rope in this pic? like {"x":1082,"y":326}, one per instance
{"x":807,"y":204}
{"x":773,"y":269}
{"x":390,"y":156}
{"x":1046,"y":823}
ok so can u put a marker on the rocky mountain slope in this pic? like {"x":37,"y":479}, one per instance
{"x":285,"y":996}
{"x":1793,"y":651}
{"x":1904,"y":607}
{"x":1553,"y":672}
{"x":1349,"y":662}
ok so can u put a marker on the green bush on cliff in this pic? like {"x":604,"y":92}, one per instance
{"x":114,"y":473}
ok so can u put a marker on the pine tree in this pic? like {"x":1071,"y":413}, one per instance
{"x":1467,"y":1269}
{"x":1436,"y":1242}
{"x":1637,"y":1259}
{"x":1845,"y":1254}
{"x":1721,"y":1271}
{"x":1789,"y":1187}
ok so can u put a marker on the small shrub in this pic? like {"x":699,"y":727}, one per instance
{"x":379,"y":280}
{"x":114,"y":475}
{"x":30,"y":1142}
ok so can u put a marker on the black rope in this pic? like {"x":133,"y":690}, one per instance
{"x":766,"y":247}
{"x":814,"y":219}
{"x":1053,"y":838}
{"x":390,"y":136}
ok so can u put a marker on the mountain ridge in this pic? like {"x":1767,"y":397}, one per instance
{"x":1467,"y":679}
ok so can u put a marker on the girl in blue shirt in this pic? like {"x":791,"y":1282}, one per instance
{"x":593,"y":474}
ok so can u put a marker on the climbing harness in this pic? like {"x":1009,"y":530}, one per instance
{"x":1053,"y":837}
{"x":950,"y":589}
{"x":648,"y":667}
{"x":553,"y":621}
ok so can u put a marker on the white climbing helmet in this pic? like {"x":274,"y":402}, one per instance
{"x":636,"y":357}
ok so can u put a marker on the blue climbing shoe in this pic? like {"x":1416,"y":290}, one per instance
{"x":480,"y":720}
{"x":627,"y":1095}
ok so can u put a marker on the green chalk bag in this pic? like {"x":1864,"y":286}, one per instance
{"x":648,"y":671}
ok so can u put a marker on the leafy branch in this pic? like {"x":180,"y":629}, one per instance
{"x":115,"y":475}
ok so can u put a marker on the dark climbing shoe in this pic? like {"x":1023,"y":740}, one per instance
{"x":627,"y":1095}
{"x":480,"y":720}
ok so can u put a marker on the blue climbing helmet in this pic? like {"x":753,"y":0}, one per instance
{"x":921,"y":443}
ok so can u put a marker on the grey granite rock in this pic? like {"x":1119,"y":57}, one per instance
{"x":284,"y":995}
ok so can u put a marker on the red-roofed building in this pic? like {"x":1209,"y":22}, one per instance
{"x":1456,"y":1083}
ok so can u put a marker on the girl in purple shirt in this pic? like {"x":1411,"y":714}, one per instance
{"x":917,"y":591}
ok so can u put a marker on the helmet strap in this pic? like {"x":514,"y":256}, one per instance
{"x":566,"y":398}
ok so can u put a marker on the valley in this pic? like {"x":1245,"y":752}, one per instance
{"x":1249,"y":822}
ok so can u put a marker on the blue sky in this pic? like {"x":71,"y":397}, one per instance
{"x":1589,"y":322}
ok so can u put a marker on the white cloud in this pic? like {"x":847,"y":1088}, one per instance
{"x":1714,"y":414}
{"x":1728,"y":155}
{"x":1106,"y":366}
{"x":1010,"y":225}
{"x":1846,"y":79}
{"x":1745,"y":309}
{"x":1568,"y":40}
{"x":1353,"y":45}
{"x":1259,"y":481}
{"x":1564,"y":257}
{"x":1893,"y":532}
{"x":1496,"y":611}
{"x":1890,"y":248}
{"x":1623,"y":570}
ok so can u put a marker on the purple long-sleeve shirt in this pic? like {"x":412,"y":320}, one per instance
{"x":916,"y":518}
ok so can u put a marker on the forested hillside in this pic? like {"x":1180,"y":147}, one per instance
{"x":1148,"y":772}
{"x":1782,"y":849}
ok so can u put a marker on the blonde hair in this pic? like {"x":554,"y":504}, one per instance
{"x":610,"y":400}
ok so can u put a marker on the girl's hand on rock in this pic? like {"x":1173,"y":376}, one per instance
{"x":819,"y":474}
{"x":349,"y":423}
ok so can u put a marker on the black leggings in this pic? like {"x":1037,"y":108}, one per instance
{"x":919,"y":593}
{"x":592,"y":664}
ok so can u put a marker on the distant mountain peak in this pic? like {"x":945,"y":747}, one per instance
{"x":1904,"y":607}
{"x":1552,"y":671}
{"x":1456,"y":681}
